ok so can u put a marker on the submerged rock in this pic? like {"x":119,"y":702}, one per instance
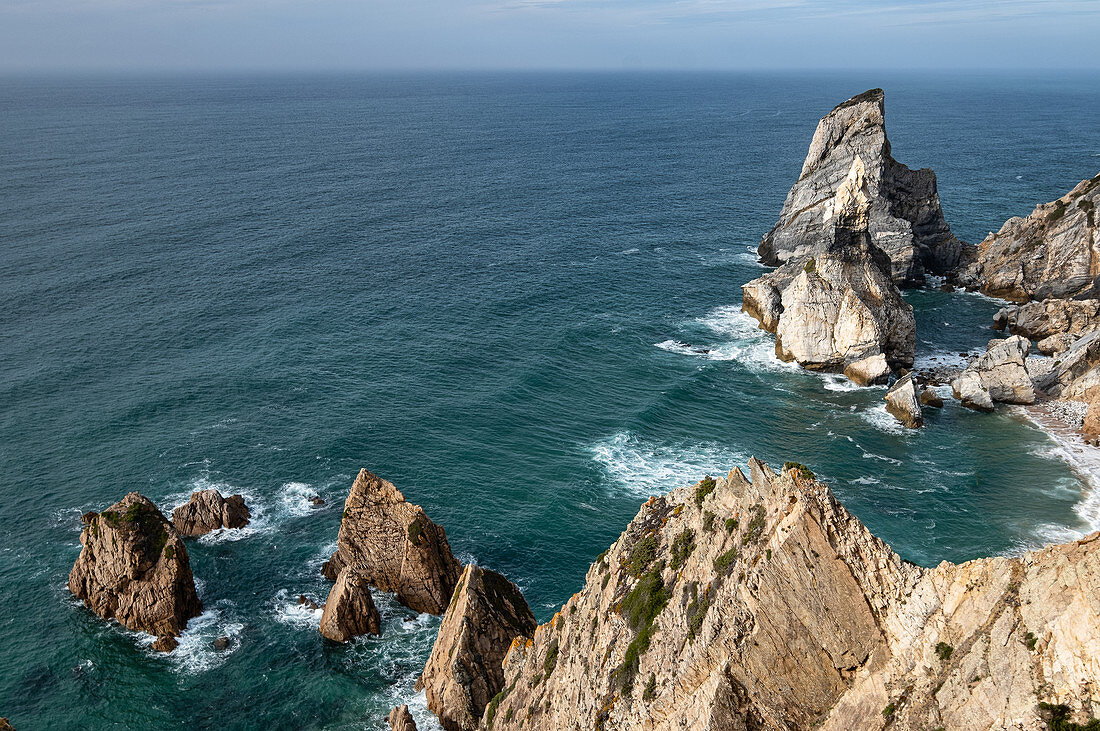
{"x":764,"y":604}
{"x":401,"y":720}
{"x":394,"y":546}
{"x":134,"y":568}
{"x":349,"y":610}
{"x":207,"y":511}
{"x":464,"y":671}
{"x":1000,"y":375}
{"x":1052,"y":253}
{"x":904,"y":214}
{"x":903,"y":402}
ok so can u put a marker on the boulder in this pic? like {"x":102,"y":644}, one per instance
{"x":1091,"y":427}
{"x":1001,"y":372}
{"x":1056,"y":344}
{"x":401,"y":720}
{"x":903,"y":402}
{"x":464,"y":670}
{"x":349,"y":610}
{"x":1050,"y":317}
{"x":395,"y":546}
{"x":929,"y":397}
{"x":134,"y":568}
{"x":905,"y":218}
{"x":1049,"y":254}
{"x":208,"y":511}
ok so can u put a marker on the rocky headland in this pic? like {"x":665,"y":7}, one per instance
{"x":134,"y":568}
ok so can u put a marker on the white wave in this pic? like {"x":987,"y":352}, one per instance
{"x":642,"y":468}
{"x":295,"y":497}
{"x":940,"y":359}
{"x":629,"y":251}
{"x":288,"y":611}
{"x":878,"y":417}
{"x":866,"y":481}
{"x":838,"y":382}
{"x":744,"y":341}
{"x":196,"y":653}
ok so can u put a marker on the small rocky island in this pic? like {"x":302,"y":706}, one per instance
{"x":207,"y":511}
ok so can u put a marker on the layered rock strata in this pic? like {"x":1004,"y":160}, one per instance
{"x":464,"y":671}
{"x":349,"y":610}
{"x":904,"y":217}
{"x":903,"y":401}
{"x":763,"y":604}
{"x":134,"y":568}
{"x":208,"y":511}
{"x":1052,"y":253}
{"x":394,"y":546}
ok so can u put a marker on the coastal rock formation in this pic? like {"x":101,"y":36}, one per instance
{"x":904,"y":216}
{"x":134,"y":568}
{"x":1052,"y":253}
{"x":395,"y":546}
{"x":401,"y":720}
{"x":464,"y":671}
{"x":1039,"y":320}
{"x":5,"y":725}
{"x":349,"y":610}
{"x":207,"y":511}
{"x":928,"y":397}
{"x":764,"y":604}
{"x":838,"y":311}
{"x":999,"y":375}
{"x":903,"y":402}
{"x":1076,"y":372}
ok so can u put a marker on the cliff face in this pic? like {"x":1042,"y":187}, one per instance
{"x":905,"y":216}
{"x":1052,"y":253}
{"x":764,"y":604}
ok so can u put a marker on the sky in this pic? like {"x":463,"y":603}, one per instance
{"x":308,"y":35}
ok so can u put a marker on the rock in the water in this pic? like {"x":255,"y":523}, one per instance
{"x":134,"y":568}
{"x":1001,"y":373}
{"x":796,"y":617}
{"x":349,"y":610}
{"x":316,"y":501}
{"x":395,"y":546}
{"x":401,"y":720}
{"x":905,"y":219}
{"x":208,"y":511}
{"x":5,"y":725}
{"x":305,"y":601}
{"x":220,"y":644}
{"x":464,"y":671}
{"x":903,"y":402}
{"x":1052,"y":253}
{"x":165,"y":643}
{"x":929,"y":397}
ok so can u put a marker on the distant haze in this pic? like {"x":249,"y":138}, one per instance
{"x":152,"y":35}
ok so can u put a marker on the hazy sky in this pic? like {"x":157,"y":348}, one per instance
{"x":505,"y":34}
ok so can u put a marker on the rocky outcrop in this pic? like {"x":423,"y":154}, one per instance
{"x":1054,"y":323}
{"x":1000,"y":375}
{"x":5,"y":725}
{"x":401,"y":720}
{"x":763,"y":604}
{"x":1052,"y":253}
{"x":207,"y":511}
{"x":134,"y":568}
{"x":464,"y":671}
{"x":928,"y":397}
{"x":903,"y":402}
{"x":349,"y":610}
{"x":838,"y":311}
{"x":395,"y":546}
{"x":1076,"y":372}
{"x":904,"y":215}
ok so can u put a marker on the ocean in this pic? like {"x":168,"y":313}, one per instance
{"x":495,"y":291}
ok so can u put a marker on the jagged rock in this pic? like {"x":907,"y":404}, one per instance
{"x":5,"y":725}
{"x":1050,"y":318}
{"x":1056,"y":344}
{"x":395,"y":546}
{"x":928,"y":397}
{"x":208,"y":511}
{"x":221,"y":644}
{"x":464,"y":672}
{"x":903,"y":402}
{"x":134,"y":568}
{"x":905,"y":219}
{"x":349,"y":610}
{"x":764,"y":604}
{"x":1052,"y":253}
{"x":1075,"y":374}
{"x":838,"y":311}
{"x":165,"y":643}
{"x":305,"y":601}
{"x":999,"y":375}
{"x":401,"y":720}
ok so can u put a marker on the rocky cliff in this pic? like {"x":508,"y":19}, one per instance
{"x":134,"y":568}
{"x":1052,"y":253}
{"x":763,"y":604}
{"x":905,"y":219}
{"x":395,"y":546}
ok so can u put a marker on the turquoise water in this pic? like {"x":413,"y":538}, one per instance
{"x":474,"y":286}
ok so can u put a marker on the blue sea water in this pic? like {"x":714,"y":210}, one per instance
{"x":477,"y":286}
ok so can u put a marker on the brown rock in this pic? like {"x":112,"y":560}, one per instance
{"x":305,"y":601}
{"x":929,"y":397}
{"x":208,"y":511}
{"x":401,"y":720}
{"x":134,"y":568}
{"x":464,"y":671}
{"x":395,"y":546}
{"x":5,"y":725}
{"x":165,"y":643}
{"x":349,"y":609}
{"x":1091,"y":426}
